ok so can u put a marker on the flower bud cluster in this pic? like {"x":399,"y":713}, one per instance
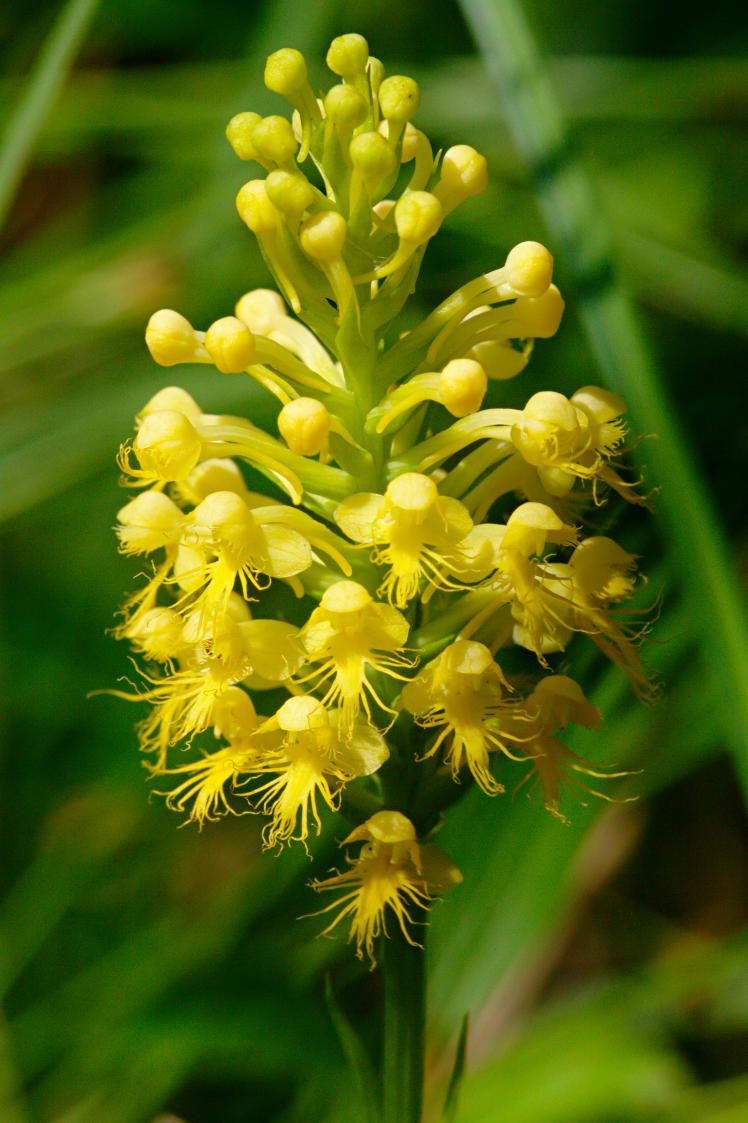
{"x":433,"y":537}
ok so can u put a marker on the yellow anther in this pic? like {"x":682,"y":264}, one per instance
{"x":399,"y":98}
{"x":230,"y":344}
{"x":348,"y":55}
{"x":171,"y":339}
{"x":285,"y":72}
{"x":261,"y":310}
{"x":345,"y":107}
{"x":274,"y":139}
{"x":462,"y":386}
{"x":239,"y":135}
{"x":290,"y":192}
{"x":175,"y":398}
{"x":464,"y":172}
{"x":167,"y":446}
{"x":529,"y":269}
{"x":304,"y":424}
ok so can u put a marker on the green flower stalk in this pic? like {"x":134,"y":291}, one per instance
{"x":439,"y":541}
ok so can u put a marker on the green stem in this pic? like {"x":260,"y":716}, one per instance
{"x":48,"y":75}
{"x":404,"y":974}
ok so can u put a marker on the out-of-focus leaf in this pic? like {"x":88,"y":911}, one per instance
{"x":49,"y":73}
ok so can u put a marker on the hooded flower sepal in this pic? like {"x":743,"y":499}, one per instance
{"x":556,"y":702}
{"x":302,"y":754}
{"x":417,"y":534}
{"x":345,"y":638}
{"x":393,"y":875}
{"x":463,"y":694}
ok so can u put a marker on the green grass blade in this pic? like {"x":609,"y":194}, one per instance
{"x":52,"y":65}
{"x":697,"y":543}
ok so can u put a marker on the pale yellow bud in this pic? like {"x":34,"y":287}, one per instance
{"x":464,"y":172}
{"x":538,"y":317}
{"x":230,"y":344}
{"x":274,"y":139}
{"x":234,"y":716}
{"x":372,"y":156}
{"x":462,"y":386}
{"x":323,"y":236}
{"x":174,"y":398}
{"x":348,"y":55}
{"x":291,"y":193}
{"x":239,"y":135}
{"x":255,"y":208}
{"x":418,"y":215}
{"x":167,"y":445}
{"x":285,"y":72}
{"x":529,"y":269}
{"x":410,"y":143}
{"x":499,"y":359}
{"x":261,"y":310}
{"x":399,"y":98}
{"x":345,"y":107}
{"x":304,"y":424}
{"x":171,"y":339}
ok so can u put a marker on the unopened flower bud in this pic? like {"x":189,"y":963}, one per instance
{"x":499,"y":359}
{"x":345,"y":107}
{"x":462,"y":386}
{"x":274,"y":140}
{"x":261,"y":309}
{"x":285,"y":72}
{"x":323,"y":236}
{"x":529,"y":268}
{"x":291,"y":193}
{"x":171,"y":338}
{"x":399,"y":98}
{"x":239,"y":135}
{"x":304,"y":424}
{"x":230,"y":344}
{"x":418,"y":215}
{"x":348,"y":55}
{"x":255,"y":208}
{"x":372,"y":156}
{"x":464,"y":173}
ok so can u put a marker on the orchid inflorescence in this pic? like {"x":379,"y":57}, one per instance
{"x":399,"y":683}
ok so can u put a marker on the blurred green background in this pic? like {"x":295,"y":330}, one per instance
{"x":153,"y":973}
